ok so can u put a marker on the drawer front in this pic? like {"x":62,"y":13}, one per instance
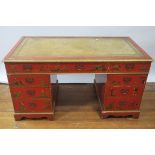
{"x":115,"y":92}
{"x":29,"y":80}
{"x":30,"y":92}
{"x":126,"y":80}
{"x":129,"y":67}
{"x":77,"y":67}
{"x":121,"y":104}
{"x":56,"y":67}
{"x":32,"y":105}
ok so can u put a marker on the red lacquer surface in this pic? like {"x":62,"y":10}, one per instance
{"x":32,"y":105}
{"x":112,"y":67}
{"x":120,"y":93}
{"x":30,"y":92}
{"x":29,"y":80}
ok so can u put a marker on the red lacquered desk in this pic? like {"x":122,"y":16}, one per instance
{"x":119,"y":64}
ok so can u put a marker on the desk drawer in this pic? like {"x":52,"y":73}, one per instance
{"x":57,"y":67}
{"x":30,"y":92}
{"x":126,"y":80}
{"x":122,"y":104}
{"x":29,"y":80}
{"x":105,"y":67}
{"x":115,"y":92}
{"x":32,"y":105}
{"x":128,"y":67}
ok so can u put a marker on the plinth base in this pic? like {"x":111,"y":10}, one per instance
{"x":49,"y":116}
{"x":133,"y":114}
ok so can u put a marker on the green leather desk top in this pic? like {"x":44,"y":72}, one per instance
{"x":73,"y":49}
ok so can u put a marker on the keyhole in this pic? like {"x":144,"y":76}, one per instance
{"x":135,"y":91}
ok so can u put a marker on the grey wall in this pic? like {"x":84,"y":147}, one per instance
{"x":144,"y":36}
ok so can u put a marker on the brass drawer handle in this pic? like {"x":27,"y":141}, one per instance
{"x":29,"y":80}
{"x":79,"y":67}
{"x":129,"y":67}
{"x":31,"y":92}
{"x":116,"y":67}
{"x":135,"y":91}
{"x":124,"y":91}
{"x":17,"y":94}
{"x":127,"y":80}
{"x":98,"y":68}
{"x":17,"y":83}
{"x":27,"y":67}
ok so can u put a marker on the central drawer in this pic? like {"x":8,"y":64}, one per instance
{"x":97,"y":67}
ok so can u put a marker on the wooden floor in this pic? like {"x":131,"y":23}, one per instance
{"x":77,"y":107}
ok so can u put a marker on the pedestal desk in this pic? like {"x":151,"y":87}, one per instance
{"x":120,"y":66}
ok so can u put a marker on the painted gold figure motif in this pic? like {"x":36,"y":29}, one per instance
{"x":116,"y":67}
{"x":99,"y":68}
{"x":29,"y":80}
{"x":27,"y":67}
{"x":110,"y":106}
{"x":43,"y":94}
{"x":127,"y":80}
{"x":32,"y":105}
{"x":130,"y":66}
{"x":21,"y":107}
{"x":79,"y":67}
{"x":16,"y":94}
{"x":13,"y":68}
{"x":115,"y":83}
{"x":47,"y":105}
{"x":31,"y":92}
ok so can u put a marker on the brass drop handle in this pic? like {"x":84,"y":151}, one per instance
{"x":129,"y":66}
{"x":29,"y":80}
{"x":98,"y":68}
{"x":17,"y":83}
{"x":135,"y":91}
{"x":27,"y":67}
{"x":127,"y":80}
{"x":143,"y":81}
{"x":79,"y":67}
{"x":31,"y":92}
{"x":124,"y":91}
{"x":116,"y":67}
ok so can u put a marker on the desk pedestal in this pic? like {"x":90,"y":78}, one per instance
{"x":120,"y":95}
{"x":33,"y":96}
